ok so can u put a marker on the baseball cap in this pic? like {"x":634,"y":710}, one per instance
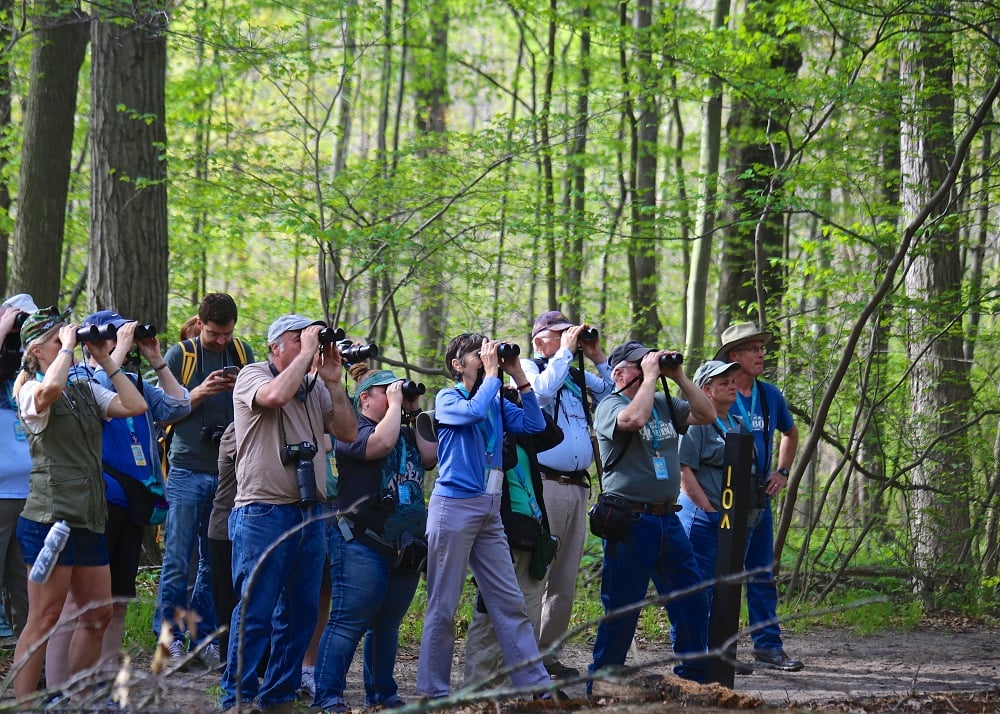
{"x":738,"y":334}
{"x":40,"y":322}
{"x":631,"y":351}
{"x":378,"y":379}
{"x":551,"y":320}
{"x":713,"y":368}
{"x":105,"y":317}
{"x":22,"y":302}
{"x":289,"y":323}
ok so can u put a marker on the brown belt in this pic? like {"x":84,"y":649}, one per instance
{"x":577,"y":478}
{"x":655,"y":509}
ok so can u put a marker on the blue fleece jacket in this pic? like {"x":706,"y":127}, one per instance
{"x":470,"y":438}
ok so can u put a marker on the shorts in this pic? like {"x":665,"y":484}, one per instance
{"x":124,"y":542}
{"x":84,"y":548}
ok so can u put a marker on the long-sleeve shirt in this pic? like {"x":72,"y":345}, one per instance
{"x":470,"y":435}
{"x":574,"y":452}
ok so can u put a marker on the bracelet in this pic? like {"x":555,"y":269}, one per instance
{"x":115,"y":373}
{"x":524,"y":387}
{"x":162,"y":366}
{"x":66,"y":351}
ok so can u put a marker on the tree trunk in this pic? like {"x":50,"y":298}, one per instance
{"x":59,"y":47}
{"x":939,"y":386}
{"x":128,"y":218}
{"x":5,"y":157}
{"x":573,"y":258}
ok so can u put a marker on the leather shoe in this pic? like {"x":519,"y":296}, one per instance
{"x":777,"y":659}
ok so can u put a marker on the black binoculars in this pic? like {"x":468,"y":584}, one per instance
{"x":671,"y":359}
{"x":145,"y":332}
{"x":506,"y":350}
{"x":412,"y":389}
{"x":589,"y":334}
{"x":356,"y":353}
{"x":329,"y":335}
{"x":93,"y":333}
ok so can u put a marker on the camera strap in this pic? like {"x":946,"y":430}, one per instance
{"x":281,"y":425}
{"x":678,"y":427}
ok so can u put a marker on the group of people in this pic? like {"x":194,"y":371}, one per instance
{"x":296,"y":504}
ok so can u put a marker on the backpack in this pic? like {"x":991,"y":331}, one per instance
{"x":237,"y":352}
{"x":126,"y":441}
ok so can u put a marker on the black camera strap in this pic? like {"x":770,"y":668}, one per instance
{"x":678,"y":427}
{"x":281,"y":425}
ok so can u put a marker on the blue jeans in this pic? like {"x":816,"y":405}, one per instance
{"x":281,"y":602}
{"x":382,"y":638}
{"x":655,"y":548}
{"x":762,"y":591}
{"x":368,"y":600}
{"x":190,"y":495}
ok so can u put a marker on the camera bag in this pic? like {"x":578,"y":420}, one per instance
{"x":610,"y":517}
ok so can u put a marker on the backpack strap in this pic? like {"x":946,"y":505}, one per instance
{"x":238,"y":352}
{"x":189,"y":360}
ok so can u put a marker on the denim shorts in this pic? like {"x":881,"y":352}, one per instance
{"x":84,"y":547}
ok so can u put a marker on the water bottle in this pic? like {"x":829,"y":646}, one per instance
{"x":46,"y":560}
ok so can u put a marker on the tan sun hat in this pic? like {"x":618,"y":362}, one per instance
{"x":738,"y":334}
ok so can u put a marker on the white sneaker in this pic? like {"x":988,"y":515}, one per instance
{"x":308,"y":683}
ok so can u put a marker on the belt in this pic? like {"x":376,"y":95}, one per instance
{"x":574,"y":478}
{"x":655,"y":509}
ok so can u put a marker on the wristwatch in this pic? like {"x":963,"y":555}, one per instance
{"x":783,"y":472}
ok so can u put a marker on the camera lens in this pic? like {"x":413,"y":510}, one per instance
{"x":329,"y":335}
{"x":671,"y":359}
{"x":356,"y":353}
{"x":506,"y":350}
{"x":305,"y":479}
{"x":93,"y":333}
{"x":413,"y":389}
{"x":589,"y":334}
{"x":145,"y":332}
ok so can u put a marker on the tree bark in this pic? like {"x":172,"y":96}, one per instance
{"x":58,"y":52}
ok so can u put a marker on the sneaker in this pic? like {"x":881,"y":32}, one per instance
{"x":210,"y":658}
{"x":178,"y":653}
{"x":777,"y":659}
{"x":557,"y":670}
{"x":556,"y":696}
{"x":307,"y":685}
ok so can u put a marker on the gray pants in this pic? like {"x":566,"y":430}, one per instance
{"x":465,"y":533}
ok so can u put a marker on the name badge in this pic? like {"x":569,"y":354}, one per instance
{"x":140,"y":458}
{"x":403,"y":494}
{"x":660,"y":468}
{"x":494,"y":480}
{"x":19,"y":433}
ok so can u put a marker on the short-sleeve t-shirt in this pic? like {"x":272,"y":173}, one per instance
{"x":633,"y":476}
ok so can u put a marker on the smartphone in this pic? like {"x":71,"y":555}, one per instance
{"x":230,"y":371}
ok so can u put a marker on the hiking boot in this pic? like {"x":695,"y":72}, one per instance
{"x":777,"y":659}
{"x":557,"y":670}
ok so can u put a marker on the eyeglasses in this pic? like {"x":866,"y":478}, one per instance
{"x":755,"y":349}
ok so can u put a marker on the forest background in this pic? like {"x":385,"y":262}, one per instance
{"x":411,"y":169}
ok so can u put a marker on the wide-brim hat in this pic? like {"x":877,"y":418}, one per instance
{"x":738,"y":334}
{"x":712,"y":369}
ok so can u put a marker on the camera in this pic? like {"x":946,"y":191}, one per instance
{"x":589,"y":334}
{"x":411,"y":552}
{"x":301,"y":455}
{"x":412,"y":389}
{"x":671,"y":359}
{"x":145,"y":332}
{"x":329,"y":335}
{"x":12,"y":343}
{"x":93,"y":333}
{"x":357,"y":353}
{"x":506,"y":350}
{"x":212,"y":433}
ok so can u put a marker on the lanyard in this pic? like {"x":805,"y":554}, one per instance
{"x":401,"y":469}
{"x":486,"y":426}
{"x":753,"y":405}
{"x":724,"y":426}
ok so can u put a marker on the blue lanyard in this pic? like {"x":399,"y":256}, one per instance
{"x":724,"y":426}
{"x":401,"y":469}
{"x":753,"y":405}
{"x":485,"y":426}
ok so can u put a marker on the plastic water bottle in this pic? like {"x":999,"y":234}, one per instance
{"x":46,"y":560}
